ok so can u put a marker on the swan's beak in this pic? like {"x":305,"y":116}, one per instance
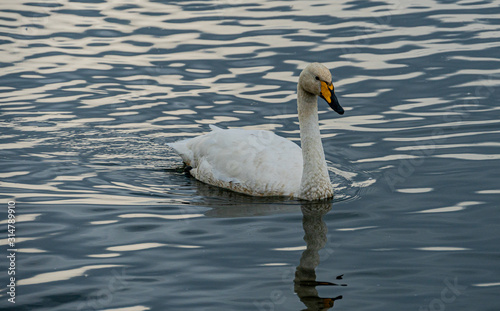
{"x":328,"y":94}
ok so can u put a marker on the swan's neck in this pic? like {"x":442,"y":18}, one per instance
{"x":315,"y":183}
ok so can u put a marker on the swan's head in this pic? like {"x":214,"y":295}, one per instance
{"x":317,"y":79}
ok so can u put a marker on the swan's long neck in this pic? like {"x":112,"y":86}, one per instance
{"x":315,"y":183}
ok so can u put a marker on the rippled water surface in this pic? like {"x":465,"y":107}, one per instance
{"x":92,"y":91}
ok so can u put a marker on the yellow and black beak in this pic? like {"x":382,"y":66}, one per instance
{"x":328,"y":94}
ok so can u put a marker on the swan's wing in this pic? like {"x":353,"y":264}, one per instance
{"x":253,"y":162}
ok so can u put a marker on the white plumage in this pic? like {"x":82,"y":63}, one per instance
{"x":254,"y":162}
{"x":261,"y":163}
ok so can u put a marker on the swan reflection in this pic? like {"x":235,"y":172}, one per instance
{"x":224,"y":203}
{"x":305,"y":282}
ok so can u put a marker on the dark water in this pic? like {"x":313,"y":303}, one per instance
{"x":91,"y":91}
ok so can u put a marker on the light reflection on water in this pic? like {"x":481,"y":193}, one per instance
{"x":91,"y":92}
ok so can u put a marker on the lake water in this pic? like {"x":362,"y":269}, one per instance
{"x":92,"y":91}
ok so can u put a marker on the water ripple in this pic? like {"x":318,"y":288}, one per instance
{"x":92,"y":91}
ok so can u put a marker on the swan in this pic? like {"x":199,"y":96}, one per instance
{"x":261,"y":163}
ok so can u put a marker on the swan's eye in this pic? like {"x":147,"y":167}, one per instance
{"x":317,"y":78}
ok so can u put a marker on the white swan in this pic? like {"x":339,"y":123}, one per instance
{"x":260,"y":163}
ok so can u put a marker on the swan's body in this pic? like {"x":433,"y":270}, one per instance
{"x":260,"y":163}
{"x":253,"y":162}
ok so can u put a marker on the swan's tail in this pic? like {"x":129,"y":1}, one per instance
{"x":214,"y":128}
{"x":182,"y":149}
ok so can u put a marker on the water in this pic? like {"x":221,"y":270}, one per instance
{"x":91,"y":91}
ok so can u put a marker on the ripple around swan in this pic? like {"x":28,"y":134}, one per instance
{"x":91,"y":92}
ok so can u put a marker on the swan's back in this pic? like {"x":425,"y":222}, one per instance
{"x":254,"y":162}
